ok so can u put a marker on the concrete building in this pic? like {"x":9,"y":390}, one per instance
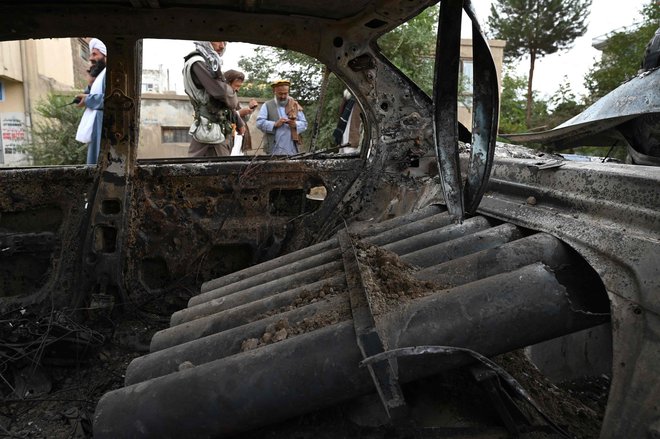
{"x":465,"y":102}
{"x":29,"y":70}
{"x":156,"y":80}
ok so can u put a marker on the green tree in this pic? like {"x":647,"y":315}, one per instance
{"x":536,"y":28}
{"x":622,"y":54}
{"x":271,"y":63}
{"x":512,"y":104}
{"x":411,"y":47}
{"x":564,"y":104}
{"x":54,"y":133}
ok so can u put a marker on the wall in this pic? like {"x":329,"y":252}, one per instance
{"x":13,"y":102}
{"x":54,"y":61}
{"x":10,"y":60}
{"x":162,"y":110}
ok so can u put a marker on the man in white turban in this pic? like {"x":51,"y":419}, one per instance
{"x":91,"y":124}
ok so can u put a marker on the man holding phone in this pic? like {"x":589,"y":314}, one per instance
{"x":282,"y":120}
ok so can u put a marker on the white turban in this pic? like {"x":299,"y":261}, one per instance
{"x":95,"y":43}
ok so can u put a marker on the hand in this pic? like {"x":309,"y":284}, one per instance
{"x":244,"y":112}
{"x":82,"y":98}
{"x":281,"y":121}
{"x":291,"y":123}
{"x":241,"y":130}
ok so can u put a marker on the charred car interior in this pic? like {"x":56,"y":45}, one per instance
{"x":400,"y":304}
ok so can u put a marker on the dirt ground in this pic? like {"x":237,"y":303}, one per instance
{"x":55,"y":369}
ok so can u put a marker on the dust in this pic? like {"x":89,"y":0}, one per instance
{"x":388,"y":280}
{"x":283,"y":329}
{"x":577,"y":406}
{"x":55,"y":368}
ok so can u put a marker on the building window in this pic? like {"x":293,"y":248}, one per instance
{"x":2,"y":91}
{"x":467,"y":81}
{"x":175,"y":135}
{"x":83,"y":49}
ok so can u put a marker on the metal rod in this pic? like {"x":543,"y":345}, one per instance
{"x":410,"y":229}
{"x":222,"y":344}
{"x":508,"y":257}
{"x":266,"y":276}
{"x":434,"y":225}
{"x":220,"y":303}
{"x":281,"y":261}
{"x":320,"y":369}
{"x":438,"y":236}
{"x":238,"y":316}
{"x":466,"y":245}
{"x":540,"y":247}
{"x":369,"y":228}
{"x":253,"y":276}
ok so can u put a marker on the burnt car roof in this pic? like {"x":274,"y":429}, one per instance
{"x":247,"y":21}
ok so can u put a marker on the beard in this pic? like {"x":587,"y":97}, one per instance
{"x":282,"y":102}
{"x":97,"y":67}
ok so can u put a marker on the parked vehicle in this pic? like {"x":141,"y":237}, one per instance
{"x":494,"y":249}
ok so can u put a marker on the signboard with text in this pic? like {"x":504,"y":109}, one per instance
{"x":13,"y":136}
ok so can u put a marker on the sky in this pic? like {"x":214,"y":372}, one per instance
{"x":549,"y":72}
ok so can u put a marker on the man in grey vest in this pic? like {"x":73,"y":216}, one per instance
{"x":282,"y":120}
{"x":212,"y":98}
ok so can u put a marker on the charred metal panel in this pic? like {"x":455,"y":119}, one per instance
{"x":597,"y":125}
{"x":42,"y":212}
{"x":197,"y":221}
{"x":103,"y":245}
{"x":610,"y":214}
{"x":137,"y":236}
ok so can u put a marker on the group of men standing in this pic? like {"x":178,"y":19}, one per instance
{"x":216,"y":110}
{"x":217,"y":114}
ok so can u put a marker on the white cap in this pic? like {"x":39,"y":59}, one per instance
{"x":95,"y":43}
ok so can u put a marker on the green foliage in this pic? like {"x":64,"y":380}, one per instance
{"x":272,"y":63}
{"x":512,"y":104}
{"x":54,"y":133}
{"x":564,"y":105}
{"x":411,"y":47}
{"x":546,"y":115}
{"x":536,"y":28}
{"x":622,"y":55}
{"x":329,"y":113}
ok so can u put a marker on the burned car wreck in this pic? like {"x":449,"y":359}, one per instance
{"x":431,"y":251}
